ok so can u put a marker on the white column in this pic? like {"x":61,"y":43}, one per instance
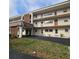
{"x":20,"y":27}
{"x":32,"y":23}
{"x":31,"y":18}
{"x":24,"y":32}
{"x":20,"y":32}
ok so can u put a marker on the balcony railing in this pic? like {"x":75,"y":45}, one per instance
{"x":51,"y":15}
{"x":51,"y":25}
{"x":59,"y":26}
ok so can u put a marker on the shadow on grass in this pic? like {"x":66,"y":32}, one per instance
{"x":16,"y":55}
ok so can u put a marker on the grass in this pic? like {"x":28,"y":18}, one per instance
{"x":43,"y":49}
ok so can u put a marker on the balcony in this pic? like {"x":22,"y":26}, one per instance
{"x":43,"y":16}
{"x":51,"y":25}
{"x":66,"y":14}
{"x":59,"y":26}
{"x":61,"y":12}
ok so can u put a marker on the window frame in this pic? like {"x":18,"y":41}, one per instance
{"x":35,"y":30}
{"x":65,"y":20}
{"x":56,"y":31}
{"x":41,"y":22}
{"x":46,"y":30}
{"x":66,"y":30}
{"x":50,"y":30}
{"x":42,"y":31}
{"x":36,"y":23}
{"x":55,"y":12}
{"x":65,"y":10}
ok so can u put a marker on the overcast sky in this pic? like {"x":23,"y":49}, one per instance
{"x":18,"y":7}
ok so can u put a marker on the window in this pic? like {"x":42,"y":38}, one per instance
{"x":35,"y":22}
{"x":66,"y":30}
{"x":65,"y":20}
{"x":65,"y":10}
{"x":35,"y":30}
{"x":47,"y":14}
{"x":41,"y":22}
{"x":55,"y":20}
{"x":50,"y":30}
{"x":55,"y":13}
{"x":22,"y":30}
{"x":56,"y":31}
{"x":30,"y":21}
{"x":35,"y":16}
{"x":42,"y":31}
{"x":50,"y":21}
{"x":46,"y":30}
{"x":30,"y":16}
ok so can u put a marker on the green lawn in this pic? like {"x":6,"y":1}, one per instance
{"x":43,"y":49}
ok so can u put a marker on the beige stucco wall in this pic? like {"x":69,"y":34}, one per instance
{"x":61,"y":21}
{"x":38,"y":33}
{"x":53,"y":34}
{"x":60,"y":12}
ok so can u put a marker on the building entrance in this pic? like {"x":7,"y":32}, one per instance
{"x":28,"y":32}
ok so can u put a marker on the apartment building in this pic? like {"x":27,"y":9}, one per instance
{"x":20,"y":26}
{"x":52,"y":21}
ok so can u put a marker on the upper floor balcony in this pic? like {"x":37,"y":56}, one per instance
{"x":56,"y":23}
{"x":59,"y":13}
{"x":15,"y":23}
